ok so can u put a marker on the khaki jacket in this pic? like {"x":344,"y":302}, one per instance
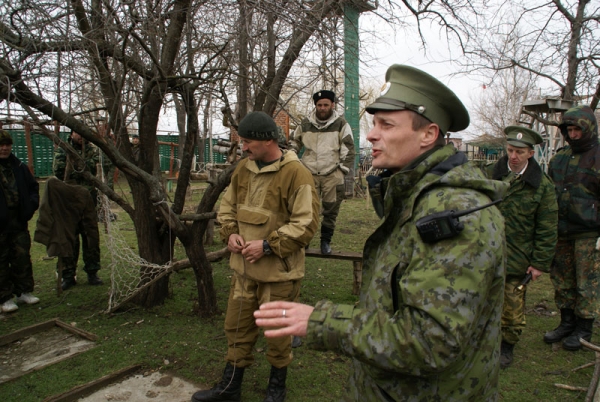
{"x":277,"y":203}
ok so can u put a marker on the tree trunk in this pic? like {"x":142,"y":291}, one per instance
{"x":207,"y":298}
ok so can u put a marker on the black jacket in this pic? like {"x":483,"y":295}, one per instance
{"x":29,"y":194}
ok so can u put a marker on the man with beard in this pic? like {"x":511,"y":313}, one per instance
{"x":329,"y":155}
{"x":268,"y":214}
{"x":575,"y":170}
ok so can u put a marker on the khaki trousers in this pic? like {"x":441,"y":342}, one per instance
{"x":331,"y":190}
{"x":245,"y":296}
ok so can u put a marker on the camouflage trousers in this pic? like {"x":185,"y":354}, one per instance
{"x":513,"y":310}
{"x":16,"y":271}
{"x":574,"y":274}
{"x":331,"y":191}
{"x":91,"y":256}
{"x":245,"y":297}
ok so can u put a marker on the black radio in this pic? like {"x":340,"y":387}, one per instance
{"x":444,"y":225}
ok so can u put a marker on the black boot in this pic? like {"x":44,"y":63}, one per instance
{"x":276,"y":390}
{"x":583,"y":329}
{"x":68,"y":283}
{"x":564,"y":329}
{"x":229,"y":389}
{"x":506,"y":354}
{"x":93,"y":279}
{"x":326,"y":235}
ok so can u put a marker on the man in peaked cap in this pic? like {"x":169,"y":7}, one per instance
{"x":531,"y":217}
{"x":427,"y":323}
{"x":268,"y":214}
{"x":19,"y":199}
{"x":329,"y":155}
{"x":575,"y":170}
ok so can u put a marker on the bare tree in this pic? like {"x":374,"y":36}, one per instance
{"x":556,"y":41}
{"x":124,"y":61}
{"x":499,"y":106}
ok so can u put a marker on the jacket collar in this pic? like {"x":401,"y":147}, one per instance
{"x":532,"y":176}
{"x":320,"y":124}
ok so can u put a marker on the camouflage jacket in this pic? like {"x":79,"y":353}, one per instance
{"x":427,"y":325}
{"x":91,"y":158}
{"x":576,"y":179}
{"x":327,"y":146}
{"x":531,"y":217}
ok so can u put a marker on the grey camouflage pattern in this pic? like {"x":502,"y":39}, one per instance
{"x":427,"y":325}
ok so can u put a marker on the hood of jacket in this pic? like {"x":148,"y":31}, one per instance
{"x":322,"y":124}
{"x":584,"y":118}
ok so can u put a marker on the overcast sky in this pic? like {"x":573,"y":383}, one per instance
{"x":405,"y":47}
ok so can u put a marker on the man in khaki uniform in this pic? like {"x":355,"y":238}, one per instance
{"x":268,"y":215}
{"x":328,"y":146}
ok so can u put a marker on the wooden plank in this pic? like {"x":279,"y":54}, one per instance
{"x":356,"y":259}
{"x":357,"y":277}
{"x":80,"y":391}
{"x":27,"y":331}
{"x":335,"y":255}
{"x":84,"y":334}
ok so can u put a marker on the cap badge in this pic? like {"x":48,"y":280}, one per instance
{"x":519,"y":136}
{"x":385,"y":88}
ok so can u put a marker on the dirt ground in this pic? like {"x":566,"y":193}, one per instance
{"x":155,"y":387}
{"x":44,"y":348}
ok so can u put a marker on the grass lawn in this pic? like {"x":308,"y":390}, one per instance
{"x":172,"y":339}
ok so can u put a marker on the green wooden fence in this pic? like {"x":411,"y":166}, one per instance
{"x":43,"y":151}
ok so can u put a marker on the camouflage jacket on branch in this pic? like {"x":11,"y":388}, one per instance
{"x":427,"y":325}
{"x":531,"y":217}
{"x":91,"y":158}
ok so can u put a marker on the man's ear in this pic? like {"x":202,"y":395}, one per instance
{"x":429,"y":135}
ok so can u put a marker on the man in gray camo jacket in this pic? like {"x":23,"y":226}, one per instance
{"x":427,"y":324}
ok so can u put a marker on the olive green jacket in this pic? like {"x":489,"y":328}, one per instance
{"x":277,"y":203}
{"x":427,"y":325}
{"x":531,"y":217}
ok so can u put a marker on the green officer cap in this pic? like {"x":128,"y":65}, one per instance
{"x":258,"y":126}
{"x":521,"y":137}
{"x":408,"y":88}
{"x":5,"y":137}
